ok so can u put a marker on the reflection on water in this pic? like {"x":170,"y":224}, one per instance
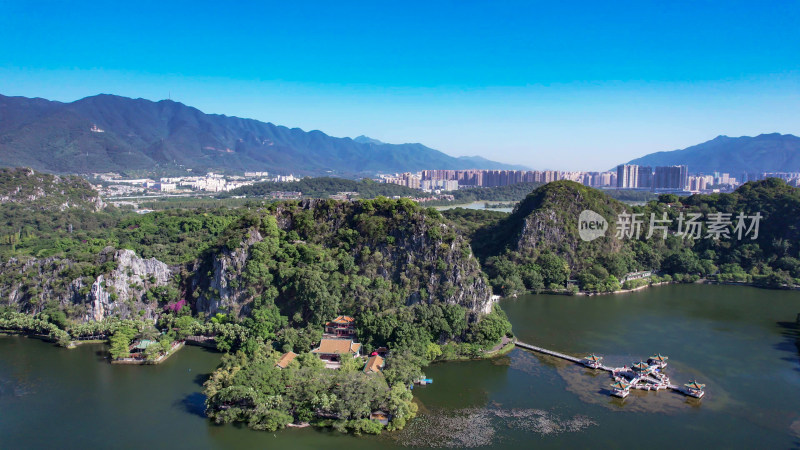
{"x":593,"y":387}
{"x":15,"y":388}
{"x":739,"y":341}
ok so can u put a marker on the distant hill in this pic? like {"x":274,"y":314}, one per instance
{"x":33,"y":190}
{"x":112,"y":133}
{"x":763,"y":153}
{"x":367,"y":140}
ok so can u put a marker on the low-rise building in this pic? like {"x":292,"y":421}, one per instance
{"x":164,"y":187}
{"x":287,"y":358}
{"x":374,"y":364}
{"x":333,"y":350}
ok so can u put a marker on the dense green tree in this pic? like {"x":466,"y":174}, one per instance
{"x":490,"y":329}
{"x":120,"y":342}
{"x":554,"y":269}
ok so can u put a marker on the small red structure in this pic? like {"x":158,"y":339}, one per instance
{"x":341,"y":327}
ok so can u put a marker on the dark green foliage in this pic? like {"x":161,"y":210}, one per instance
{"x":468,"y":221}
{"x":520,"y":252}
{"x":490,"y":329}
{"x":173,"y":236}
{"x":120,"y":341}
{"x":330,"y":257}
{"x":42,"y":191}
{"x":252,"y":389}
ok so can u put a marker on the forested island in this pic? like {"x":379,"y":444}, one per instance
{"x":264,"y":281}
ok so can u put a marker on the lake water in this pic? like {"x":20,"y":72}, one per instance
{"x":476,"y":205}
{"x":739,"y":341}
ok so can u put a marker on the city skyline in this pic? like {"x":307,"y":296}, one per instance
{"x":516,"y":84}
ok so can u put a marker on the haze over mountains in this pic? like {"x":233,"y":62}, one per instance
{"x":763,"y":153}
{"x":113,"y":133}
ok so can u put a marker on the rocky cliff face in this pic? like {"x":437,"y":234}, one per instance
{"x":420,"y":253}
{"x":122,"y":292}
{"x":31,"y":283}
{"x":312,"y":257}
{"x":219,"y":286}
{"x":421,"y":258}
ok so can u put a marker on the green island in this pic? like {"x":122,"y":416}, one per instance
{"x":267,"y":282}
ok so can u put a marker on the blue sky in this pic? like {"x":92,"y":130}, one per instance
{"x":557,"y":85}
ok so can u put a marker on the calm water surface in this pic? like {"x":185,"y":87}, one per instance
{"x":476,"y":205}
{"x":739,"y":341}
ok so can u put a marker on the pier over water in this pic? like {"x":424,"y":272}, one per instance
{"x":647,"y":376}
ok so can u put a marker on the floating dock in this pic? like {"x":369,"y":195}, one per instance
{"x":647,"y":376}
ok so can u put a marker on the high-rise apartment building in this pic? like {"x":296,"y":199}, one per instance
{"x":671,"y":177}
{"x":644,"y":177}
{"x":627,"y":176}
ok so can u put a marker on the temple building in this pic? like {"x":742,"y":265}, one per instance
{"x":341,"y":327}
{"x":592,"y":361}
{"x":621,"y":389}
{"x":658,"y":360}
{"x":695,"y":389}
{"x":642,"y":368}
{"x":332,"y":350}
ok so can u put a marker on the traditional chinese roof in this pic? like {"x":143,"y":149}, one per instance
{"x":621,"y":384}
{"x":695,"y":385}
{"x":337,"y":346}
{"x":143,"y":344}
{"x":641,"y":366}
{"x":594,"y":358}
{"x":374,"y":364}
{"x":286,"y":359}
{"x":659,"y":357}
{"x":341,"y":320}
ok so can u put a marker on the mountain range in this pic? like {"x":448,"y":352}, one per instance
{"x":734,"y":155}
{"x":112,"y":133}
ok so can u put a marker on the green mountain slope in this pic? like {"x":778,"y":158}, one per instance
{"x":763,"y":153}
{"x":141,"y":134}
{"x":539,"y":245}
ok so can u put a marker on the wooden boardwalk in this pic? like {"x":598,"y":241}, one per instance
{"x":548,"y":352}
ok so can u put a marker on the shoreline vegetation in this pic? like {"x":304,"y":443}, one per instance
{"x":641,"y":286}
{"x":264,"y":280}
